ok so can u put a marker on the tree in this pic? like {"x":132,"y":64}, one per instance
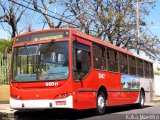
{"x":44,"y":10}
{"x":4,"y":43}
{"x":11,"y":14}
{"x":113,"y":21}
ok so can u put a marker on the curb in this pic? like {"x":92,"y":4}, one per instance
{"x":7,"y":116}
{"x":155,"y":101}
{"x":4,"y":102}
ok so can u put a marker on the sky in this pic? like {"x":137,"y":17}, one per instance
{"x":152,"y":21}
{"x":4,"y":34}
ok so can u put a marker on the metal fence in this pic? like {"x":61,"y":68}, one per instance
{"x":4,"y":69}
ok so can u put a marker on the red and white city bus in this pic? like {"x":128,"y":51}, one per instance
{"x":64,"y":68}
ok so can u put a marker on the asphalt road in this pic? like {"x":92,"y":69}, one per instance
{"x":113,"y":113}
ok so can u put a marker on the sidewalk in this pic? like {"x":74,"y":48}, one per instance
{"x":6,"y":113}
{"x":156,"y":99}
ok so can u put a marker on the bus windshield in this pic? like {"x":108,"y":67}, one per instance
{"x":40,"y":62}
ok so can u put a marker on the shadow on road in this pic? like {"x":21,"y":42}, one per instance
{"x":66,"y":114}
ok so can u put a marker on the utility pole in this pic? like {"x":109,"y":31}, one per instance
{"x":138,"y":2}
{"x":137,"y":24}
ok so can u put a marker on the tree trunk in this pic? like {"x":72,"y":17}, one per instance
{"x":14,"y":28}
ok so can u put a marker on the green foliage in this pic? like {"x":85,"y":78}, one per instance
{"x":4,"y":69}
{"x":158,"y":69}
{"x":3,"y":44}
{"x":156,"y":73}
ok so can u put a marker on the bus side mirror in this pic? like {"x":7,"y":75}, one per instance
{"x":5,"y":53}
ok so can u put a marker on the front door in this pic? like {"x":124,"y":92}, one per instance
{"x":81,"y":68}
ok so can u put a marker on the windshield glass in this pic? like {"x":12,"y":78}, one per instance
{"x":47,"y":61}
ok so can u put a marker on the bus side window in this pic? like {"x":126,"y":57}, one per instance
{"x":151,"y":70}
{"x":132,"y":65}
{"x":81,"y":61}
{"x":146,"y":69}
{"x":123,"y":62}
{"x":112,"y":60}
{"x":99,"y":57}
{"x":140,"y":67}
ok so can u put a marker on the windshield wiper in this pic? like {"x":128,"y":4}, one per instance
{"x":26,"y":49}
{"x":38,"y":61}
{"x":39,"y":58}
{"x":38,"y":70}
{"x":50,"y":45}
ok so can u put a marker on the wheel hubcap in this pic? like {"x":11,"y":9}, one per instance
{"x":142,"y":100}
{"x":101,"y":102}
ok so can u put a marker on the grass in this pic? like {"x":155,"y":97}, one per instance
{"x":4,"y":93}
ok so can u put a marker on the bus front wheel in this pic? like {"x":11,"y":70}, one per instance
{"x":101,"y":103}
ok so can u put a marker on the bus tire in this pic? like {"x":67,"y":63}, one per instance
{"x":100,"y":103}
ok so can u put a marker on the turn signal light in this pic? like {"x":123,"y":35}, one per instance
{"x":64,"y":95}
{"x":16,"y":97}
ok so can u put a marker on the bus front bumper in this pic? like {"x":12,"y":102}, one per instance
{"x":42,"y":104}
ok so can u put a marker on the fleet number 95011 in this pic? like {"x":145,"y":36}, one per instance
{"x":51,"y":83}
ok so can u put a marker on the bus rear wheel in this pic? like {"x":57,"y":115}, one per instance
{"x":141,"y":100}
{"x":100,"y":103}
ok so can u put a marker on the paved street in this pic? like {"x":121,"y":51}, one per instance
{"x":150,"y":112}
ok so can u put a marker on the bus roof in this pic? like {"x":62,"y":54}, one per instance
{"x":107,"y":44}
{"x":41,"y":31}
{"x":90,"y":38}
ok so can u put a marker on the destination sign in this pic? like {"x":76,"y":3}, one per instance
{"x":49,"y":35}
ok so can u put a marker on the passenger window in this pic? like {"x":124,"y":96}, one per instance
{"x":146,"y":69}
{"x":99,"y":57}
{"x":112,"y":60}
{"x":151,"y":70}
{"x":123,"y":63}
{"x":81,"y":60}
{"x":140,"y":67}
{"x":132,"y":65}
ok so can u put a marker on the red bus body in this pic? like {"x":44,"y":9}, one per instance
{"x":76,"y":94}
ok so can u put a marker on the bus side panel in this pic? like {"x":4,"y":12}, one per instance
{"x":85,"y":100}
{"x":87,"y":89}
{"x":134,"y":97}
{"x":122,"y":89}
{"x":130,"y":86}
{"x":116,"y":95}
{"x":127,"y":91}
{"x":146,"y":85}
{"x":86,"y":92}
